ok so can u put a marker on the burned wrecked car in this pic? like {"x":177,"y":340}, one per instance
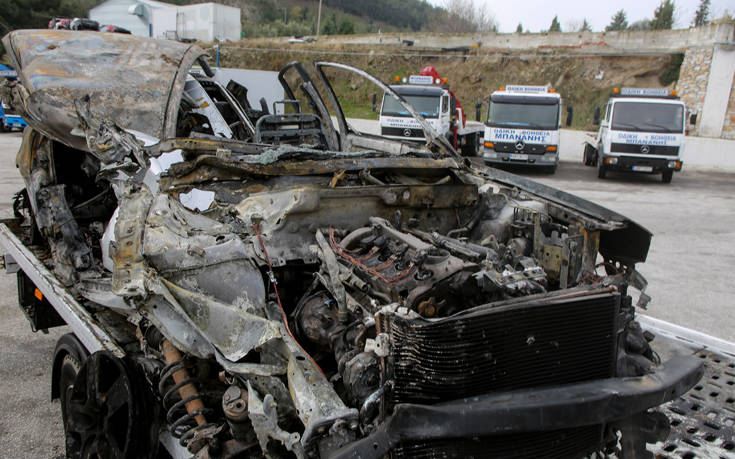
{"x":244,"y":283}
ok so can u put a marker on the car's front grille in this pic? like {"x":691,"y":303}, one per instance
{"x":527,"y":344}
{"x":510,"y":147}
{"x":568,"y":443}
{"x":401,"y":132}
{"x":644,"y":149}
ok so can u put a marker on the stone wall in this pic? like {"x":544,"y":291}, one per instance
{"x":728,"y":128}
{"x":693,"y":77}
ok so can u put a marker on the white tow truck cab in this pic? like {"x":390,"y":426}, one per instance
{"x":522,"y":126}
{"x":642,"y":130}
{"x":431,"y":97}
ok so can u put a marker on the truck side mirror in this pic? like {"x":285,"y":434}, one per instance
{"x":596,"y":119}
{"x":478,"y":111}
{"x":570,"y":115}
{"x":375,"y":101}
{"x":693,"y":119}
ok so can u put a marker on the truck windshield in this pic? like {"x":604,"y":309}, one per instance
{"x":427,"y":106}
{"x":648,"y":117}
{"x":525,"y":116}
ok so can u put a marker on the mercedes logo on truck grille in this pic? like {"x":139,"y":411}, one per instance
{"x":520,"y":145}
{"x":407,"y":132}
{"x":645,"y":149}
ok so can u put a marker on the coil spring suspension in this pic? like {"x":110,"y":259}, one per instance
{"x":187,"y":415}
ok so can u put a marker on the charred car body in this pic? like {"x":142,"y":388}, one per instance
{"x":271,"y":284}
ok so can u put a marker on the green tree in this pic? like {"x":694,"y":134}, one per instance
{"x":330,"y":26}
{"x":643,"y":24}
{"x":35,"y":14}
{"x":295,"y":14}
{"x":519,"y":29}
{"x":585,"y":26}
{"x":619,"y":21}
{"x":555,"y":26}
{"x":268,"y":10}
{"x":663,"y":17}
{"x":346,"y":27}
{"x":701,"y":17}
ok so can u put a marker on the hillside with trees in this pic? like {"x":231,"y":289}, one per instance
{"x":341,"y":17}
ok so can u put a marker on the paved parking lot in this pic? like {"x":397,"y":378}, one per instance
{"x":31,"y":424}
{"x":690,"y":267}
{"x":692,"y":257}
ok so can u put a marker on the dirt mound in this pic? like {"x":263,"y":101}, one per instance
{"x":583,"y":81}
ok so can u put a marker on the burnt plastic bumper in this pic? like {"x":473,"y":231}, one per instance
{"x":574,"y":405}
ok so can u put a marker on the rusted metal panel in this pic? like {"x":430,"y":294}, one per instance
{"x":134,"y":81}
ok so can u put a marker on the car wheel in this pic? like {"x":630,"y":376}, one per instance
{"x":667,"y":176}
{"x":100,"y":415}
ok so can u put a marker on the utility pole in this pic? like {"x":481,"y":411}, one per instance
{"x":319,"y":19}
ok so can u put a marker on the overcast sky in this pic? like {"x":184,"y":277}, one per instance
{"x":536,"y":15}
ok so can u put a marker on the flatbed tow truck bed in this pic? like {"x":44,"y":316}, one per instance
{"x":701,"y":423}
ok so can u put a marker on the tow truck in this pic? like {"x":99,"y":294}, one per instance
{"x":642,"y":130}
{"x":432,"y":97}
{"x":10,"y":120}
{"x":522,"y":126}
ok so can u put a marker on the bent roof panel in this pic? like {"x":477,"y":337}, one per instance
{"x":136,"y":82}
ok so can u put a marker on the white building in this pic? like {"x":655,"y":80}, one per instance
{"x":205,"y":22}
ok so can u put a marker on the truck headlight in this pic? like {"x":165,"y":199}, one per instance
{"x":674,"y":164}
{"x":611,"y":160}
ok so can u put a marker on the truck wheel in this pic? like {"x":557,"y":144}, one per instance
{"x":667,"y":176}
{"x":2,"y":127}
{"x":551,"y":170}
{"x":587,"y":158}
{"x":601,"y":172}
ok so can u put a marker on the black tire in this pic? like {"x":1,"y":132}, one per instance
{"x":601,"y":171}
{"x":667,"y":176}
{"x":587,"y":157}
{"x":68,"y":371}
{"x":2,"y":127}
{"x":99,"y":416}
{"x":551,"y":170}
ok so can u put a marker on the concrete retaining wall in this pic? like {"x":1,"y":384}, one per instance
{"x":644,"y":41}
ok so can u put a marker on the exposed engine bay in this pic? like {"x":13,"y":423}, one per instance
{"x":283,"y":290}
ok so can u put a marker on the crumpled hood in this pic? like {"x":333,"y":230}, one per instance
{"x":136,"y":82}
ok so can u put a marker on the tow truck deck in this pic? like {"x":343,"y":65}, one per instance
{"x":701,"y":423}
